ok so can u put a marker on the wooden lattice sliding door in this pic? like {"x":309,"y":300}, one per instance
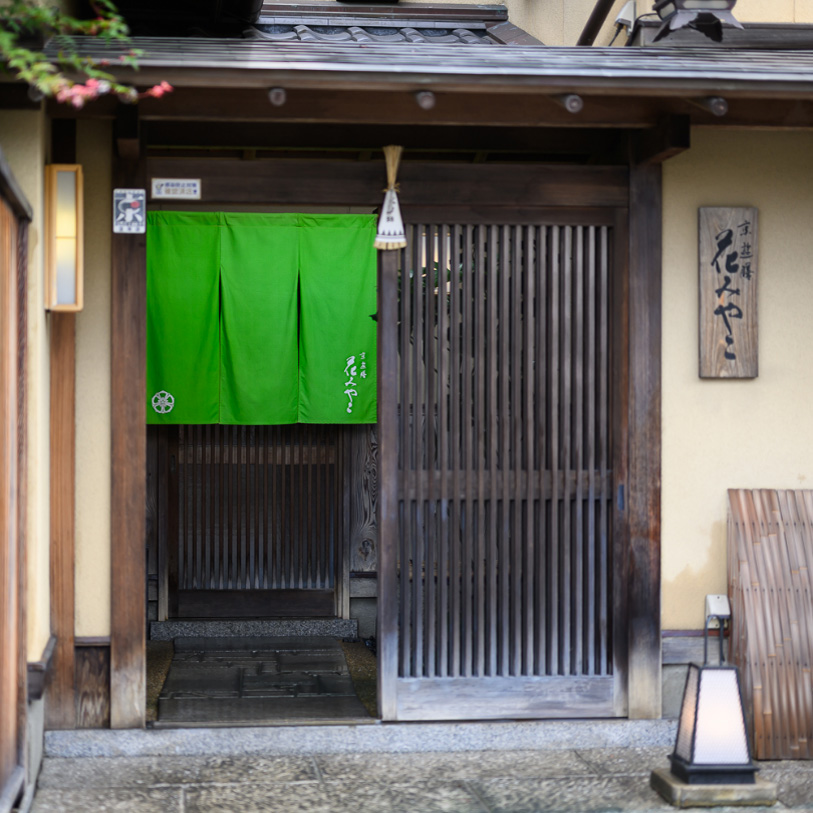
{"x":504,"y":600}
{"x":255,"y":521}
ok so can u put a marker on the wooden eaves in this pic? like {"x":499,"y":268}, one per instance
{"x":517,"y":86}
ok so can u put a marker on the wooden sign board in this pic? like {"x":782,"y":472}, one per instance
{"x":729,"y":342}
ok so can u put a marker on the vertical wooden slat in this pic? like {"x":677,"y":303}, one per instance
{"x":577,"y":582}
{"x":443,"y":503}
{"x":519,"y":542}
{"x":408,"y":277}
{"x":479,"y":344}
{"x":419,"y":421}
{"x":492,"y":441}
{"x":541,"y":663}
{"x":500,"y":464}
{"x":531,"y":360}
{"x":456,"y":504}
{"x":225,"y":513}
{"x":388,"y":494}
{"x":275,"y":579}
{"x":199,"y":511}
{"x":566,"y":461}
{"x":603,"y":454}
{"x":161,"y":516}
{"x":591,"y":588}
{"x":554,"y":434}
{"x":469,"y":411}
{"x":430,"y":562}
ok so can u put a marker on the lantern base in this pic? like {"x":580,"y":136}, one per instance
{"x":683,"y":794}
{"x":713,"y":774}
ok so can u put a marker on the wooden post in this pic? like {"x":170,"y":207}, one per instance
{"x":59,"y":707}
{"x":129,"y":454}
{"x":60,"y":711}
{"x":644,"y":414}
{"x":387,"y":513}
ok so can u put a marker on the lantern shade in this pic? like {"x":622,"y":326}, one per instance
{"x":712,"y":743}
{"x":63,"y":243}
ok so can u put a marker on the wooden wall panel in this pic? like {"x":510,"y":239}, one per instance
{"x":92,"y":686}
{"x":363,"y":541}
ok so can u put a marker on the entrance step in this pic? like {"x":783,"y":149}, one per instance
{"x":245,"y":628}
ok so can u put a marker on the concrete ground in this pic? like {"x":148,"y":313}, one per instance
{"x":588,"y":779}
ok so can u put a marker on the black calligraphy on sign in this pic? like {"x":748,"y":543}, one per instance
{"x":727,"y":309}
{"x":728,"y":292}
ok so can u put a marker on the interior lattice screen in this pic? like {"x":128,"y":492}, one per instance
{"x":258,"y":507}
{"x":504,"y":451}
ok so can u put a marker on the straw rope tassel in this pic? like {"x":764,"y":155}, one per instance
{"x":390,"y":225}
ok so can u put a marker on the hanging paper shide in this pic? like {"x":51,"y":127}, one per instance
{"x":390,"y":224}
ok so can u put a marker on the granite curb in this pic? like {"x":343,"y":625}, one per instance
{"x":370,"y":738}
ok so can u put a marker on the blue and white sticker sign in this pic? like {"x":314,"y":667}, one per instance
{"x":175,"y":188}
{"x":129,"y":211}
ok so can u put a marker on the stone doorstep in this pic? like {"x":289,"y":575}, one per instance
{"x":681,"y":794}
{"x":376,"y":737}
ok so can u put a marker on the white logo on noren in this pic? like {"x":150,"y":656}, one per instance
{"x":162,"y":402}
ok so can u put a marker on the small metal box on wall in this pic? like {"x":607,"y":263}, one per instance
{"x":729,"y":327}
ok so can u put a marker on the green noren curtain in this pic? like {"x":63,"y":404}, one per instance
{"x":260,"y":318}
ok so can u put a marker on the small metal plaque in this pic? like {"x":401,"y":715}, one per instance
{"x":175,"y":189}
{"x":129,"y":211}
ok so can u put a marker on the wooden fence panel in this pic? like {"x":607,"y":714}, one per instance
{"x":770,"y":562}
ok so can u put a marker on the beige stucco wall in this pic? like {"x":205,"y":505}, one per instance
{"x":733,"y":434}
{"x":23,"y":139}
{"x":94,"y":146}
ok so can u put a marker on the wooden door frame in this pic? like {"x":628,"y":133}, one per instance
{"x":639,"y":492}
{"x":637,"y":433}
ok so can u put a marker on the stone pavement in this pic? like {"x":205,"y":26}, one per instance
{"x":587,"y":779}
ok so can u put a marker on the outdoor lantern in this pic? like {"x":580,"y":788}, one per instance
{"x":63,"y":237}
{"x":705,"y":16}
{"x":712,"y":742}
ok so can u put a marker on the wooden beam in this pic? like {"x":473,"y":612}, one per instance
{"x":671,"y":137}
{"x":643,"y":492}
{"x":60,"y":703}
{"x":352,"y":183}
{"x":347,"y":137}
{"x":129,"y":460}
{"x":313,"y":105}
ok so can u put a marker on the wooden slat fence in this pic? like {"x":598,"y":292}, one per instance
{"x":770,"y":562}
{"x":504,"y":471}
